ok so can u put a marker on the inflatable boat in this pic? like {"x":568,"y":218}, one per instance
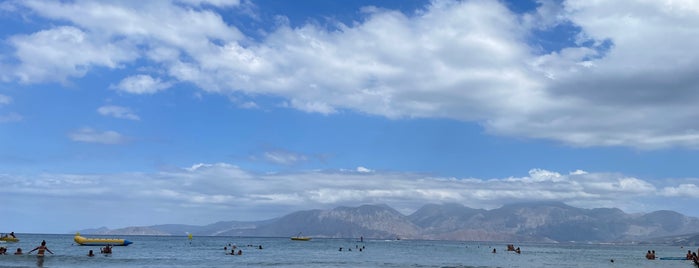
{"x":84,"y":241}
{"x":9,"y":239}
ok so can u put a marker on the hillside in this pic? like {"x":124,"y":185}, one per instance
{"x":543,"y":222}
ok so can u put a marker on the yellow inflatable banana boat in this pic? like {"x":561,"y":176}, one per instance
{"x":84,"y":241}
{"x":9,"y":239}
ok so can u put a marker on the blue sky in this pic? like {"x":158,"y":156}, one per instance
{"x":200,"y":111}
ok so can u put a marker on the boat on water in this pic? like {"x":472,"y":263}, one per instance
{"x":298,"y":237}
{"x":9,"y":239}
{"x":85,"y":241}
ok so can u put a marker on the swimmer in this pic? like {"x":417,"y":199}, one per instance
{"x":90,"y":254}
{"x":18,"y":252}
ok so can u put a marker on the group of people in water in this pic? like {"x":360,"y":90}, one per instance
{"x":234,"y":250}
{"x":357,"y":247}
{"x":510,"y":247}
{"x":239,"y":251}
{"x":3,"y":251}
{"x":41,"y":250}
{"x":105,"y":250}
{"x":693,"y":256}
{"x":650,"y":255}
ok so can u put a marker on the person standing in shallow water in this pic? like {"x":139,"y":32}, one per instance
{"x":40,"y":253}
{"x":41,"y":249}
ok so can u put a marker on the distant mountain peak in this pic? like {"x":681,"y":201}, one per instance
{"x":530,"y":221}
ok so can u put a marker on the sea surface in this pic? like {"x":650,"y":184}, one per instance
{"x":179,"y":251}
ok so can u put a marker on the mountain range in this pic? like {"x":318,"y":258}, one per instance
{"x":533,"y":222}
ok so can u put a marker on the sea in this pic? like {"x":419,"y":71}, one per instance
{"x":179,"y":251}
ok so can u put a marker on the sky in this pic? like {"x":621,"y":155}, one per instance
{"x":135,"y":113}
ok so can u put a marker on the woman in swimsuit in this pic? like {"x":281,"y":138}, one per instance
{"x":41,"y":249}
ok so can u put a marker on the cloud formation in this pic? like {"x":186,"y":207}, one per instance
{"x":66,"y":51}
{"x":284,"y":157}
{"x":141,"y":84}
{"x":225,"y":189}
{"x":118,"y":112}
{"x":90,"y":135}
{"x":4,"y":100}
{"x":628,"y":78}
{"x":11,"y":117}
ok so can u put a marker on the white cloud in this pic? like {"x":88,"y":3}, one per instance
{"x":4,"y":100}
{"x":549,"y":13}
{"x":65,"y":51}
{"x":218,"y":3}
{"x":11,"y":117}
{"x":90,"y":135}
{"x":284,"y":157}
{"x":248,"y":105}
{"x":312,"y":107}
{"x":683,"y":190}
{"x":204,"y":193}
{"x":637,"y":93}
{"x":628,"y":80}
{"x":364,"y":170}
{"x":118,"y":112}
{"x":141,"y":84}
{"x":110,"y":34}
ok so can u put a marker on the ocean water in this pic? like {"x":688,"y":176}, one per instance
{"x":168,"y":251}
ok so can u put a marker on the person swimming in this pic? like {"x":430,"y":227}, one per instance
{"x":90,"y":254}
{"x":650,"y":255}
